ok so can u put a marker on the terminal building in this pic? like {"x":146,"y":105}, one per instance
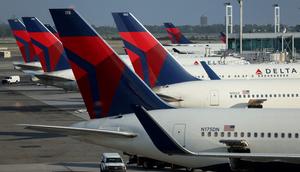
{"x":267,"y":42}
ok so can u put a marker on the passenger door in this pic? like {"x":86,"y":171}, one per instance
{"x":214,"y":98}
{"x":179,"y":133}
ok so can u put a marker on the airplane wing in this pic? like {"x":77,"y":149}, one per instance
{"x":74,"y":131}
{"x":20,"y":66}
{"x":52,"y":78}
{"x":167,"y":144}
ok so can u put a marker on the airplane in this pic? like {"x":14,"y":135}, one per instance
{"x":128,"y":112}
{"x":182,"y":44}
{"x":55,"y":65}
{"x":159,"y":69}
{"x":26,"y":48}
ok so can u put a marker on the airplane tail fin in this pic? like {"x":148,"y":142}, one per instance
{"x":52,"y":30}
{"x":211,"y":74}
{"x":175,"y":34}
{"x":46,"y":45}
{"x":23,"y":40}
{"x":151,"y":61}
{"x":223,"y":37}
{"x":107,"y":85}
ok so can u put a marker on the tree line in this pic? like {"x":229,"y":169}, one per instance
{"x":112,"y":33}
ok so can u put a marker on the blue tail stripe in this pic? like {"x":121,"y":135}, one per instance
{"x":169,"y":25}
{"x":211,"y":74}
{"x":143,"y":59}
{"x":70,"y":20}
{"x":16,"y":24}
{"x":126,"y":23}
{"x":33,"y":25}
{"x":26,"y":45}
{"x":158,"y":136}
{"x":63,"y":63}
{"x":46,"y":53}
{"x":50,"y":28}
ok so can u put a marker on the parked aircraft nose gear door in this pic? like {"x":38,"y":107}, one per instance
{"x":179,"y":133}
{"x":214,"y":98}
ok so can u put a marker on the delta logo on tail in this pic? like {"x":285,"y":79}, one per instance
{"x":107,"y":85}
{"x":276,"y":71}
{"x":175,"y":34}
{"x":23,"y":40}
{"x":151,"y":61}
{"x":223,"y":37}
{"x":49,"y":49}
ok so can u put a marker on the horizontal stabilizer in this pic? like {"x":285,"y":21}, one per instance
{"x":74,"y":131}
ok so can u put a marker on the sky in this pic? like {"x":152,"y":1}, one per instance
{"x":156,"y":12}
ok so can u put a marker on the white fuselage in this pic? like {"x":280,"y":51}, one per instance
{"x":200,"y":130}
{"x":250,"y":71}
{"x":201,"y":49}
{"x":279,"y":93}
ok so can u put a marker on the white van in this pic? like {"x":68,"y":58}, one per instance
{"x":112,"y":162}
{"x":11,"y":79}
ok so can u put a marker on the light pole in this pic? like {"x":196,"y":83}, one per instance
{"x":228,"y":21}
{"x":241,"y":25}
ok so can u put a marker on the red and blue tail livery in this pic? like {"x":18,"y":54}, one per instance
{"x":49,"y":49}
{"x":175,"y":34}
{"x":151,"y":61}
{"x":52,"y":30}
{"x":23,"y":40}
{"x":107,"y":85}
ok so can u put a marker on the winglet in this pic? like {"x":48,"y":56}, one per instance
{"x":160,"y":138}
{"x":151,"y":61}
{"x":175,"y":34}
{"x":46,"y":45}
{"x":23,"y":40}
{"x":211,"y":74}
{"x":107,"y":85}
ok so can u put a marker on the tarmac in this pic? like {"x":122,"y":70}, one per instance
{"x":25,"y":150}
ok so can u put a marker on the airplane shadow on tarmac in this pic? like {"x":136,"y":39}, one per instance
{"x":28,"y":135}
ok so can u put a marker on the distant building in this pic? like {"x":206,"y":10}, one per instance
{"x":203,"y":20}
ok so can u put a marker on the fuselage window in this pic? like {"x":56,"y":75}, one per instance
{"x":275,"y":135}
{"x":230,"y":96}
{"x":244,"y":96}
{"x":261,"y":95}
{"x":262,"y":135}
{"x":235,"y":96}
{"x":279,"y":95}
{"x":296,"y":135}
{"x":292,"y":95}
{"x":253,"y":95}
{"x":240,"y":96}
{"x":229,"y":134}
{"x":275,"y":95}
{"x":255,"y":134}
{"x":202,"y":134}
{"x":235,"y":134}
{"x":209,"y":134}
{"x":297,"y":95}
{"x":248,"y":96}
{"x":269,"y":135}
{"x":257,"y":95}
{"x":287,"y":95}
{"x":283,"y":95}
{"x":216,"y":134}
{"x":222,"y":134}
{"x":228,"y":76}
{"x":270,"y":95}
{"x":252,"y":76}
{"x":266,"y":95}
{"x":282,"y":135}
{"x":289,"y":135}
{"x":248,"y":134}
{"x":242,"y":134}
